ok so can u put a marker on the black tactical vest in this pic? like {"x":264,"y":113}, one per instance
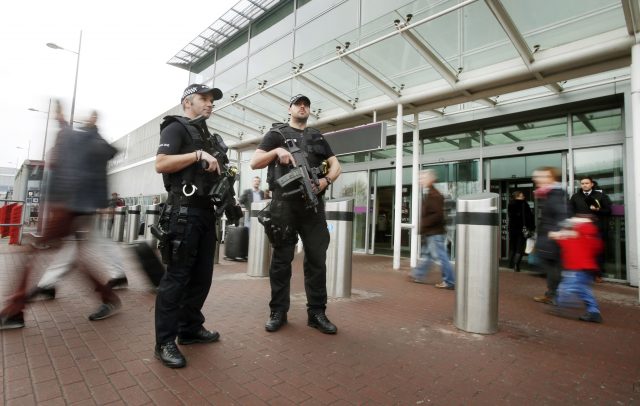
{"x":194,"y":174}
{"x":310,"y":140}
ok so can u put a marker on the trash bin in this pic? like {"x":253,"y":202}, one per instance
{"x":477,"y":238}
{"x":118,"y":224}
{"x":152,"y":214}
{"x":259,"y":247}
{"x":339,"y":214}
{"x":133,"y":222}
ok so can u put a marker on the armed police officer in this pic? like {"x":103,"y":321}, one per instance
{"x":192,"y":163}
{"x":295,"y":154}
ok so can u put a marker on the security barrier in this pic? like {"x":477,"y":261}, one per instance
{"x":339,"y":214}
{"x":259,"y":246}
{"x":152,"y":214}
{"x":476,"y":307}
{"x":133,"y":222}
{"x":117,"y":234}
{"x":106,"y":220}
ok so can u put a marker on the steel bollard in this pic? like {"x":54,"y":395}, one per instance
{"x":259,"y":247}
{"x":152,"y":214}
{"x":339,"y":214}
{"x":118,"y":224}
{"x":105,"y":221}
{"x":133,"y":223}
{"x":477,"y":239}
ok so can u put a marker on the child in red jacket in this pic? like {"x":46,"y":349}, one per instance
{"x":579,"y":245}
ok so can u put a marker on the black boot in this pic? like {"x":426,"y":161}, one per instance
{"x":321,"y":322}
{"x":276,"y":320}
{"x":516,"y":262}
{"x":170,"y":355}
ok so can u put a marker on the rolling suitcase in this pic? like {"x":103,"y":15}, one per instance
{"x":236,"y":243}
{"x":149,"y":262}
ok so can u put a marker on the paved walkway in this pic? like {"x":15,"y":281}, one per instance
{"x":396,"y":345}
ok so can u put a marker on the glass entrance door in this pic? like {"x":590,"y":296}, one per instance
{"x":383,"y":212}
{"x":508,"y":175}
{"x":604,"y":165}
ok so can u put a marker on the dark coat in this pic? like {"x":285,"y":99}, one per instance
{"x":520,"y":215}
{"x":78,"y":178}
{"x":554,"y":209}
{"x":581,"y":203}
{"x":247,"y":198}
{"x":432,"y":219}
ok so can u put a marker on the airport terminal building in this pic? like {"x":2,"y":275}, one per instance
{"x":481,"y":91}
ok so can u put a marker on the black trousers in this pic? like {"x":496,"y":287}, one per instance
{"x":517,"y":243}
{"x":312,"y":228}
{"x":554,"y":274}
{"x":185,"y":286}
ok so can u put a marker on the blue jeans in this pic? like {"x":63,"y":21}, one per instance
{"x":433,"y":248}
{"x":577,"y":284}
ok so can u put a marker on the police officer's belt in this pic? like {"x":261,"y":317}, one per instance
{"x":200,"y":202}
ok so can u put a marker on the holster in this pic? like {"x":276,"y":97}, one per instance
{"x":170,"y":240}
{"x":278,"y":234}
{"x":162,"y":233}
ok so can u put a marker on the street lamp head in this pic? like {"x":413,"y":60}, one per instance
{"x":54,"y":46}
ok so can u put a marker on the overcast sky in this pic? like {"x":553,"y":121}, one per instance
{"x":123,"y":71}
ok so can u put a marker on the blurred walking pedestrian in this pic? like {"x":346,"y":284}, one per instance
{"x":77,"y":188}
{"x":434,"y":235}
{"x":553,"y":207}
{"x":579,"y":245}
{"x":102,"y":250}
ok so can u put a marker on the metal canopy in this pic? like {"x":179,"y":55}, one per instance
{"x":233,"y":21}
{"x":478,"y":51}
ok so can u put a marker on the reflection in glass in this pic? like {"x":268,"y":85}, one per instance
{"x":353,"y":158}
{"x":550,"y":23}
{"x":451,"y":142}
{"x":598,"y":121}
{"x":537,"y":130}
{"x":355,"y":185}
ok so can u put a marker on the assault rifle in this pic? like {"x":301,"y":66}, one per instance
{"x":302,"y":172}
{"x":222,"y":193}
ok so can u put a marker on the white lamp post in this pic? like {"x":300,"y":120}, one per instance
{"x":46,"y":128}
{"x":75,"y":84}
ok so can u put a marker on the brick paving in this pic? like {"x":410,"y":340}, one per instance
{"x":396,"y":345}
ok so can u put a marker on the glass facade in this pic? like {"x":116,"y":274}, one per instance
{"x":597,"y":121}
{"x":330,"y":51}
{"x":503,"y":174}
{"x":538,"y":130}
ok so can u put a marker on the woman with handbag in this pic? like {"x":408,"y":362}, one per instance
{"x":521,"y":227}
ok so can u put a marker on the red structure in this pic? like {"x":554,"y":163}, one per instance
{"x":5,"y":217}
{"x":15,"y":218}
